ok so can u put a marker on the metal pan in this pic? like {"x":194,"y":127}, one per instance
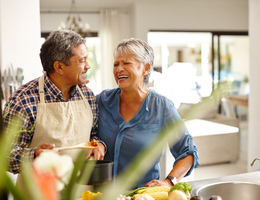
{"x":102,"y":172}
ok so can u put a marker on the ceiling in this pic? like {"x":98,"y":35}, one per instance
{"x":83,"y":4}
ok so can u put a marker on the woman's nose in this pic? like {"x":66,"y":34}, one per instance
{"x":120,"y":68}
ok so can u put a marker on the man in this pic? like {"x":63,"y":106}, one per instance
{"x":56,"y":109}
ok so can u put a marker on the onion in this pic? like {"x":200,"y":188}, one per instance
{"x":177,"y":195}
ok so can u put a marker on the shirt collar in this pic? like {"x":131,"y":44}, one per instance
{"x":54,"y":90}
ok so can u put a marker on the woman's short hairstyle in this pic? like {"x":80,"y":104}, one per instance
{"x":140,"y":49}
{"x":59,"y":47}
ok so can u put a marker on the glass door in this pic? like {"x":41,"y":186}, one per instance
{"x":233,"y":63}
{"x":190,"y":65}
{"x":183,"y":68}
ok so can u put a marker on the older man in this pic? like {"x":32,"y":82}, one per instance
{"x":56,"y":109}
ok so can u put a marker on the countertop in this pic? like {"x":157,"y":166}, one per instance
{"x":252,"y":177}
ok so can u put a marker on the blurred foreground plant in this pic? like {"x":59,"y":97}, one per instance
{"x":35,"y":182}
{"x":49,"y":177}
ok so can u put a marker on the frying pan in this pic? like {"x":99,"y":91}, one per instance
{"x":102,"y":172}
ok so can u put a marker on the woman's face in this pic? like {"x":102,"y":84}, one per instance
{"x":129,"y":72}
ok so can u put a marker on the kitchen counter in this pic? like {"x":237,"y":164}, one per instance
{"x":239,"y":100}
{"x":252,"y":177}
{"x":213,"y":138}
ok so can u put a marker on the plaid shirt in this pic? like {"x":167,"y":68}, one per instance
{"x":23,"y":103}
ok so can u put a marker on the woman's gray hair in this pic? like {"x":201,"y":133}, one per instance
{"x":59,"y":47}
{"x":140,"y":49}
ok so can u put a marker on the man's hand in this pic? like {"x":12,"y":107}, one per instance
{"x":42,"y":147}
{"x":98,"y":153}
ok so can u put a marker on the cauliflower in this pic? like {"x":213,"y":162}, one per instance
{"x":145,"y":197}
{"x":180,"y":190}
{"x":177,"y":195}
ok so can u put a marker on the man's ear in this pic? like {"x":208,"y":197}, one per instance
{"x":146,"y":69}
{"x":58,"y":66}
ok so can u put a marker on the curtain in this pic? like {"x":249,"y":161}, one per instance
{"x":114,"y":26}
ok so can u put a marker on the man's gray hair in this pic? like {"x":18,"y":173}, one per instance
{"x":59,"y":47}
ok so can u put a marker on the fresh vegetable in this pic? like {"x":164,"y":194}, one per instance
{"x":123,"y":197}
{"x":197,"y":198}
{"x":184,"y":187}
{"x":177,"y":195}
{"x":155,"y":195}
{"x":215,"y":197}
{"x":145,"y":197}
{"x":154,"y":189}
{"x":88,"y":195}
{"x":133,"y":192}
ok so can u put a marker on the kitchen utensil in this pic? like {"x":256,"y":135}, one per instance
{"x":85,"y":145}
{"x":13,"y":77}
{"x":5,"y":85}
{"x":101,"y":174}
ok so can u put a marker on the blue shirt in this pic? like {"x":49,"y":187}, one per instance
{"x":125,"y":140}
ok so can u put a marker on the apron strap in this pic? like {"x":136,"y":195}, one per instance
{"x":41,"y":89}
{"x":82,"y":95}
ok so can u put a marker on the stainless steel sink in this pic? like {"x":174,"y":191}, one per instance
{"x":230,"y":190}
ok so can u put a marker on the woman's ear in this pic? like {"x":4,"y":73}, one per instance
{"x":58,"y":66}
{"x":146,"y":70}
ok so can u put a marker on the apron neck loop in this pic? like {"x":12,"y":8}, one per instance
{"x":41,"y":89}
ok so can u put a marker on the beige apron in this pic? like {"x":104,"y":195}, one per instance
{"x":61,"y":123}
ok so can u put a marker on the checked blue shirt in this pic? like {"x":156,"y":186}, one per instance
{"x":23,"y":103}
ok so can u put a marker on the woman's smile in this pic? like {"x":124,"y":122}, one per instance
{"x":122,"y":77}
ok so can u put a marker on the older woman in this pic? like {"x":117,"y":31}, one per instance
{"x":132,"y":115}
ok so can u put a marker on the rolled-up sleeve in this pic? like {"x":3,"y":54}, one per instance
{"x":185,"y":145}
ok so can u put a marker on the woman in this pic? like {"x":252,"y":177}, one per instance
{"x":132,"y":115}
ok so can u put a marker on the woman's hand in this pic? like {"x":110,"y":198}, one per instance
{"x":98,"y":153}
{"x":42,"y":147}
{"x":154,"y":182}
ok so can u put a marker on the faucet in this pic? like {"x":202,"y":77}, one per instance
{"x":252,"y":164}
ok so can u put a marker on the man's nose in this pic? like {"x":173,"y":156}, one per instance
{"x":87,"y":66}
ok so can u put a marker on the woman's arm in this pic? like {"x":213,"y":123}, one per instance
{"x":179,"y":170}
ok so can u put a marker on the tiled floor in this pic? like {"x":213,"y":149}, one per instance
{"x":225,"y":169}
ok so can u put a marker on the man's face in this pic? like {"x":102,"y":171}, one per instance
{"x":76,"y":72}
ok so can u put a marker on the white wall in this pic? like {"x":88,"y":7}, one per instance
{"x":231,"y":15}
{"x":254,"y":98}
{"x":51,"y":21}
{"x":20,"y":36}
